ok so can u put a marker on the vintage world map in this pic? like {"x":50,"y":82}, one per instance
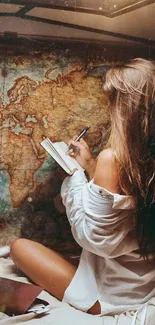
{"x":51,"y":94}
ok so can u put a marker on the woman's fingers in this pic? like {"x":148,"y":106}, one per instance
{"x":73,"y":152}
{"x":84,"y":143}
{"x":81,"y":141}
{"x":76,"y":143}
{"x":78,"y":148}
{"x":70,"y":141}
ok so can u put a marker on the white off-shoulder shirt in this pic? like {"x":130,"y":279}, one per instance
{"x":110,"y":269}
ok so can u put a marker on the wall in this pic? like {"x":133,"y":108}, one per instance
{"x":49,"y":91}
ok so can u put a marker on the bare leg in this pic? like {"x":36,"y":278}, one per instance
{"x":45,"y":267}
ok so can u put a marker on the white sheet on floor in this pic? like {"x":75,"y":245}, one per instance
{"x":61,"y":313}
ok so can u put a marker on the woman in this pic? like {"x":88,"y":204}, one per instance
{"x":112,"y":215}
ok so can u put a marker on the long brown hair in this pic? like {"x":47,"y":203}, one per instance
{"x":131,"y":92}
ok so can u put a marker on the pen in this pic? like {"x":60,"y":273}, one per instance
{"x":79,"y":137}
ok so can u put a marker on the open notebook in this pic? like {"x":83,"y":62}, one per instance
{"x":58,"y":151}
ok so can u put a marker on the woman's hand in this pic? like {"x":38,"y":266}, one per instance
{"x":82,"y":154}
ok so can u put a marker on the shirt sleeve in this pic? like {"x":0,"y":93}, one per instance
{"x":95,"y":224}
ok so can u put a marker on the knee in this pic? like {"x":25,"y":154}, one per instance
{"x":17,"y":247}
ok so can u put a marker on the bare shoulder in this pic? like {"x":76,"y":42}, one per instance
{"x":106,"y":154}
{"x":106,"y":172}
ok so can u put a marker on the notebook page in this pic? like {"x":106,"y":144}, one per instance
{"x":53,"y":153}
{"x":62,"y":148}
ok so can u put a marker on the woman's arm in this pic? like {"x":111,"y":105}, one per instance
{"x":95,"y":225}
{"x":106,"y":171}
